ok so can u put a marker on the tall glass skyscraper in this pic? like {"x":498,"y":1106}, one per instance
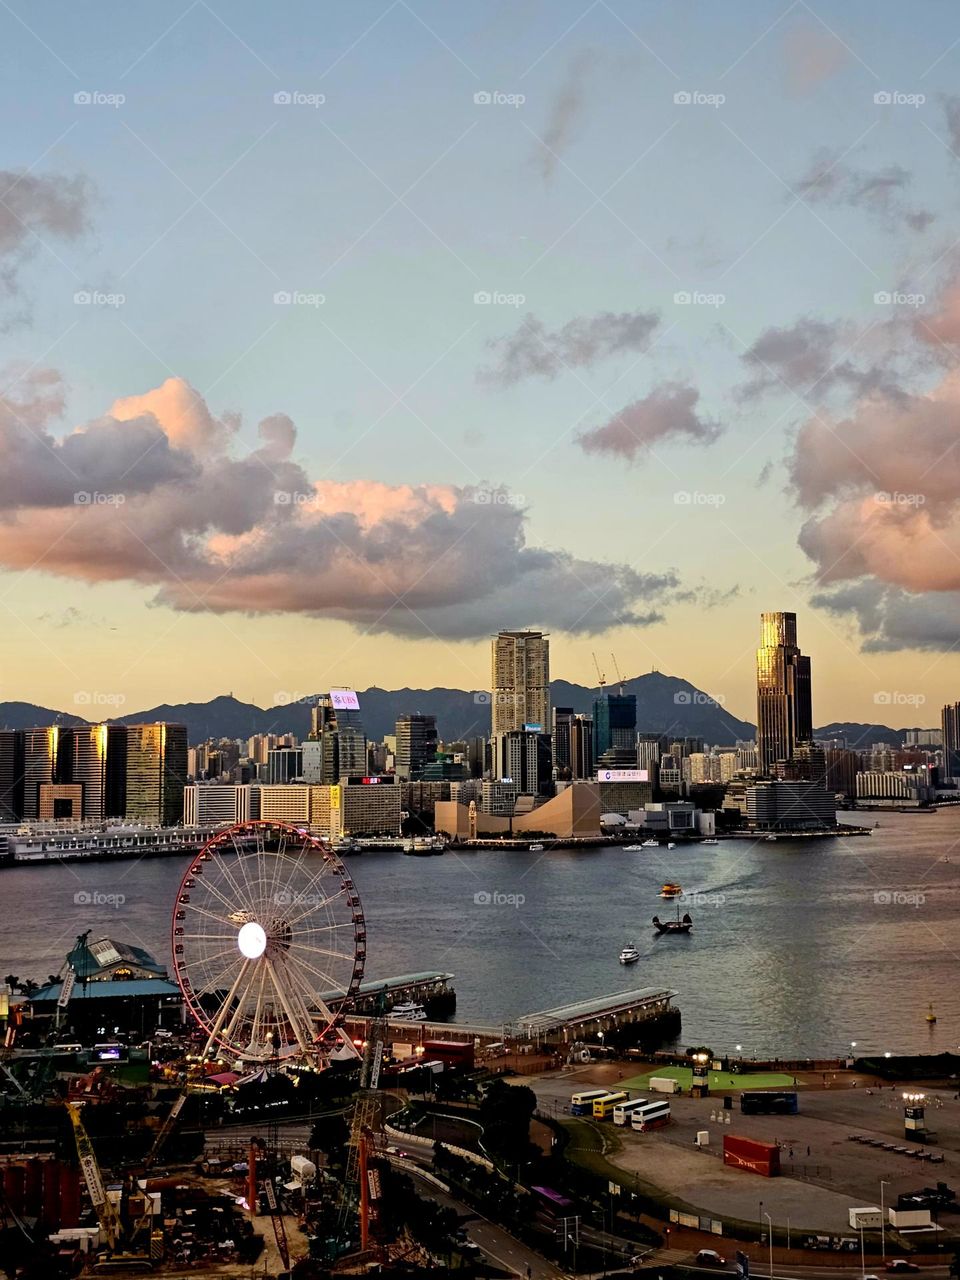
{"x":950,"y":728}
{"x":614,"y":723}
{"x":784,"y":708}
{"x":156,"y":772}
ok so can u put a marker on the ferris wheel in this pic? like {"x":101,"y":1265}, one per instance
{"x":269,"y":943}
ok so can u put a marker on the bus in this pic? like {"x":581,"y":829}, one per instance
{"x":552,"y":1204}
{"x":581,"y":1104}
{"x":769,"y":1102}
{"x":602,"y":1107}
{"x":652,"y":1116}
{"x":623,"y":1110}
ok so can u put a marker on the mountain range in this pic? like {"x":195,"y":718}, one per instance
{"x":665,"y":704}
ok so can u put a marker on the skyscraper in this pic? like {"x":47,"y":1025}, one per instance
{"x":155,"y":774}
{"x":416,"y":744}
{"x":520,"y":681}
{"x":344,"y":741}
{"x":614,"y":723}
{"x":94,"y":756}
{"x":39,"y":765}
{"x":562,"y":720}
{"x":950,"y":726}
{"x":784,"y":712}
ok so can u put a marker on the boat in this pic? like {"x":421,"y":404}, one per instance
{"x":633,"y":848}
{"x":679,"y":925}
{"x":671,"y":845}
{"x":930,"y":1015}
{"x":671,"y":891}
{"x":409,"y":1012}
{"x":770,"y":837}
{"x":537,"y":848}
{"x":710,"y":840}
{"x":629,"y":954}
{"x":650,"y":844}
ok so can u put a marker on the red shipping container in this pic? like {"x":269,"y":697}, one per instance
{"x":452,"y":1053}
{"x":749,"y":1154}
{"x":69,"y":1196}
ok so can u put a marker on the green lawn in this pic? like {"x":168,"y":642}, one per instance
{"x":723,"y":1080}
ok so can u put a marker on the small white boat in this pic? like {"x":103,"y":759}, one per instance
{"x":671,"y":845}
{"x":769,"y":837}
{"x":408,"y":1012}
{"x":633,"y":848}
{"x":650,"y":844}
{"x":629,"y":954}
{"x":536,"y":848}
{"x":710,"y":841}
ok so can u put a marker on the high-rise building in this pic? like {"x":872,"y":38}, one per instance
{"x":38,"y":766}
{"x":950,"y":732}
{"x":562,"y":721}
{"x":416,"y":744}
{"x":520,"y":681}
{"x":581,"y":747}
{"x":784,"y":710}
{"x":11,"y":775}
{"x":344,"y":741}
{"x":284,"y":764}
{"x":156,"y":769}
{"x":95,"y":757}
{"x":524,"y":758}
{"x":614,"y":722}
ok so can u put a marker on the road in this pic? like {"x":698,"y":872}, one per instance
{"x":496,"y":1244}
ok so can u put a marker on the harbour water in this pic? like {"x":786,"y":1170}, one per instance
{"x":799,"y":948}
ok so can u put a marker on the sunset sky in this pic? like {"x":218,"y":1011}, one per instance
{"x":337,"y":337}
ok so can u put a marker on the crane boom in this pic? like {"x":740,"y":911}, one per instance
{"x":103,"y":1206}
{"x":601,"y":678}
{"x":616,"y":668}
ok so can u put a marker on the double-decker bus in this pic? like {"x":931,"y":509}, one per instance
{"x":581,"y":1104}
{"x":623,"y":1110}
{"x":602,"y":1107}
{"x":651,"y":1116}
{"x":768,"y":1102}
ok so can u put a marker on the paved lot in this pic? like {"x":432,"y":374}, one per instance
{"x":824,"y":1172}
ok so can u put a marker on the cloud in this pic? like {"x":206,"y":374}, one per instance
{"x":667,"y":412}
{"x":808,"y":357}
{"x":33,"y":208}
{"x":535,"y":352}
{"x":812,"y":55}
{"x":563,"y":115}
{"x":832,"y":181}
{"x":169,"y":503}
{"x":889,"y":619}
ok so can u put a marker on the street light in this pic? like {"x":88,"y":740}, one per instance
{"x":883,"y":1230}
{"x":770,"y":1239}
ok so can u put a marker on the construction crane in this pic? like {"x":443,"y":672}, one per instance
{"x":616,"y":668}
{"x":103,"y":1206}
{"x":273,"y":1208}
{"x":601,"y":678}
{"x":165,"y":1130}
{"x":357,"y":1184}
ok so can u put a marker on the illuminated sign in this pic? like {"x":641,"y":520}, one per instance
{"x":622,"y":775}
{"x":369,"y":782}
{"x":344,"y":700}
{"x":533,"y":728}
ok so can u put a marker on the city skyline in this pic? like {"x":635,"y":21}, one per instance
{"x":418,"y":395}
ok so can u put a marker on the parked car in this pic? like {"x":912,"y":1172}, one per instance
{"x":900,"y":1266}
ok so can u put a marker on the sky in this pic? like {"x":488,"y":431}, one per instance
{"x":338,"y":337}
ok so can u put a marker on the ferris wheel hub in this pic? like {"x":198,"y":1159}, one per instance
{"x":252,"y":940}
